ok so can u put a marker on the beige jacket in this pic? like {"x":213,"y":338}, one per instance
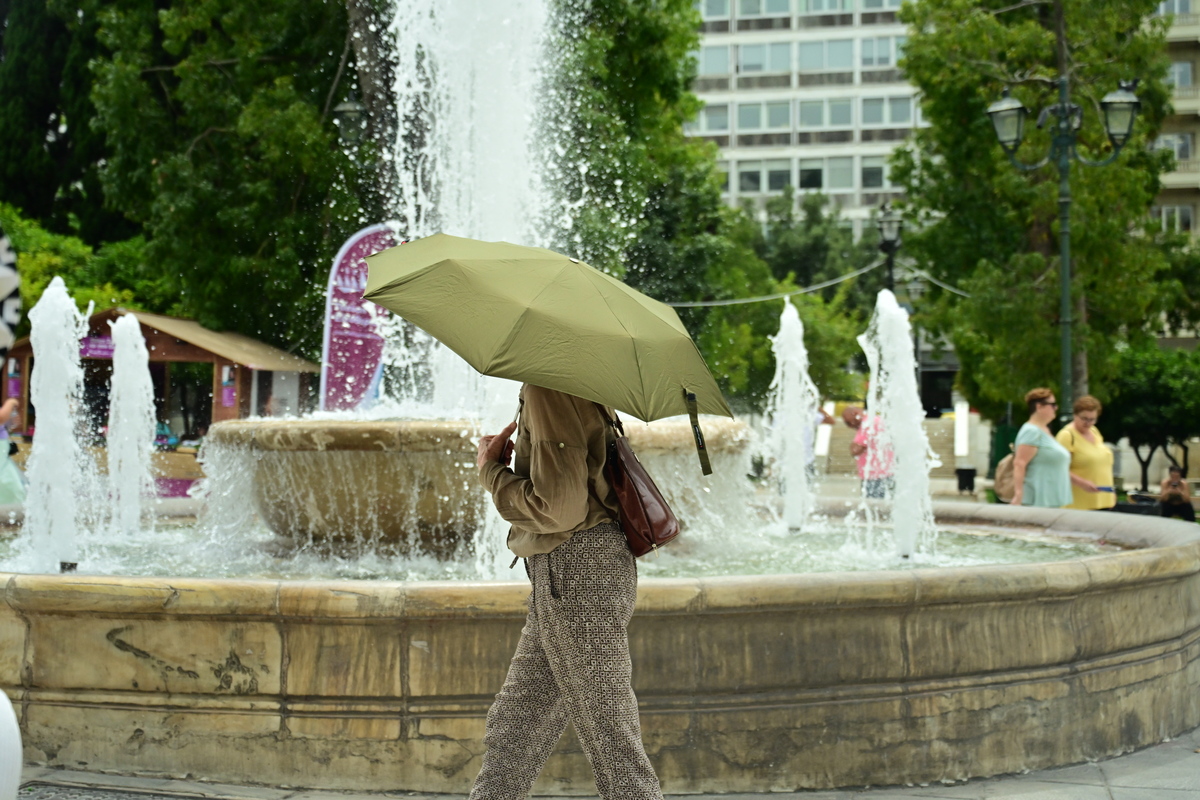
{"x":556,"y":485}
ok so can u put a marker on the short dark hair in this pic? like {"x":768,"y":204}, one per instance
{"x":1035,"y":397}
{"x":1174,"y":468}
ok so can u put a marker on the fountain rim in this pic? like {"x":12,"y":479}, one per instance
{"x":1162,"y":549}
{"x":394,"y":434}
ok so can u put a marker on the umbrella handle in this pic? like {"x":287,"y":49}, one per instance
{"x":697,"y":434}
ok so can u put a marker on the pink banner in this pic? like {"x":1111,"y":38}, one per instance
{"x":352,"y":349}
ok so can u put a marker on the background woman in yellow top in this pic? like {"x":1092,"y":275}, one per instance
{"x":1091,"y":461}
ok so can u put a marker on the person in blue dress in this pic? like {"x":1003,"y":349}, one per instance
{"x":12,"y":482}
{"x":1041,"y":466}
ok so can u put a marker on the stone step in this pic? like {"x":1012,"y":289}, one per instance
{"x":941,"y":441}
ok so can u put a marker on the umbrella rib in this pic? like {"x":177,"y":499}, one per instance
{"x":514,"y":329}
{"x":636,"y":355}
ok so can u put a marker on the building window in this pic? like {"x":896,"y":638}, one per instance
{"x":874,"y":172}
{"x":763,"y":8}
{"x":1174,"y":7}
{"x":872,"y":5}
{"x":1173,"y":218}
{"x":723,"y":176}
{"x":832,"y":174}
{"x":887,"y":111}
{"x":1180,"y":74}
{"x":840,"y":114}
{"x":714,"y":8}
{"x":770,"y":116}
{"x":821,"y":56}
{"x":826,"y":113}
{"x":882,"y":51}
{"x":750,"y":177}
{"x":779,"y":115}
{"x":839,"y":173}
{"x":823,"y":6}
{"x":1181,"y":144}
{"x":712,"y":119}
{"x":765,"y":57}
{"x":812,"y":173}
{"x":779,"y":174}
{"x":714,"y":60}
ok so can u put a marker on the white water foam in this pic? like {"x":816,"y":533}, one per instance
{"x":59,"y":470}
{"x":894,"y":399}
{"x":131,"y":426}
{"x":791,"y":418}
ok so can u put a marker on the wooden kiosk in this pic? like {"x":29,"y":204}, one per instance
{"x":249,"y":377}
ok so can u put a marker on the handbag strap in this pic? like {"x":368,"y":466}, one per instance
{"x":614,"y":421}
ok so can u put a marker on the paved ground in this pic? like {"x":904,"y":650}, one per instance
{"x":1169,"y":771}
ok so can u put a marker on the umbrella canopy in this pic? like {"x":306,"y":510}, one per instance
{"x":536,"y":316}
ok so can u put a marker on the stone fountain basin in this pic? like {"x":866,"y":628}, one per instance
{"x":746,"y":683}
{"x":405,"y":484}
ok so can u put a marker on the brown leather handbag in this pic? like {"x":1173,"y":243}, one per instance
{"x":646,"y":518}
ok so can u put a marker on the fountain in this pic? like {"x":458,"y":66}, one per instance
{"x":748,"y":683}
{"x":58,"y":468}
{"x":792,"y":413}
{"x":894,"y":401}
{"x":131,"y":426}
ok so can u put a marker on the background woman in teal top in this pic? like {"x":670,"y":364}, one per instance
{"x":1041,"y":466}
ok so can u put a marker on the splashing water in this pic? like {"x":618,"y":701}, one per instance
{"x":56,"y":470}
{"x":131,"y":425}
{"x":894,"y":411}
{"x":792,"y":417}
{"x":467,"y":77}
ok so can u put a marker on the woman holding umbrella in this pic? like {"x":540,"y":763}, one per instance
{"x":582,"y":343}
{"x":572,"y":662}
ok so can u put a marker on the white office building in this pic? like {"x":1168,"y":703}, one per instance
{"x":805,"y":93}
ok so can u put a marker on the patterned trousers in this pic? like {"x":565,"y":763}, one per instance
{"x":572,"y":665}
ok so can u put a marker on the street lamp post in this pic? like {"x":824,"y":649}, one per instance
{"x":1008,"y":118}
{"x":348,"y":116}
{"x":890,"y":224}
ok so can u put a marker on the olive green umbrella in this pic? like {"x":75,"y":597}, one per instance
{"x":533,"y":315}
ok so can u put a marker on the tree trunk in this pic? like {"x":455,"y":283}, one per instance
{"x":1079,"y":358}
{"x":376,"y":72}
{"x":1144,"y":463}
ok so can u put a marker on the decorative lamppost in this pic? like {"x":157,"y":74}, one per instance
{"x":890,"y":224}
{"x":1008,"y":118}
{"x":348,"y":115}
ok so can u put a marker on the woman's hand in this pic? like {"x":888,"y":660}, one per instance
{"x":1084,"y":483}
{"x":496,"y":448}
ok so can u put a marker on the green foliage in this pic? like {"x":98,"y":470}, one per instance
{"x":106,"y":279}
{"x":984,"y":226}
{"x":644,"y":200}
{"x":1155,"y":401}
{"x":221,"y":148}
{"x":49,"y":154}
{"x":815,"y":245}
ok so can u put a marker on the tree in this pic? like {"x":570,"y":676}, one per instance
{"x":643,"y":199}
{"x":49,"y":154}
{"x":1155,"y":403}
{"x":217,"y":121}
{"x":110,"y":277}
{"x":984,"y":226}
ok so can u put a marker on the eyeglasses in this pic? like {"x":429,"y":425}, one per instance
{"x":1050,"y":403}
{"x":1088,"y":420}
